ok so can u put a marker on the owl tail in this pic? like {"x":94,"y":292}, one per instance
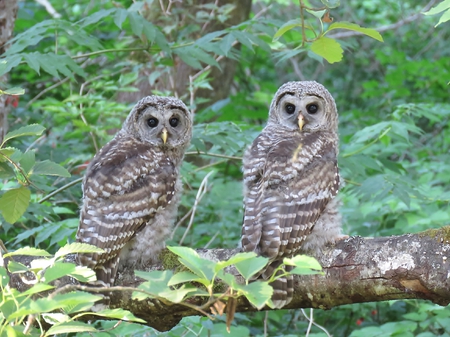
{"x":283,"y":287}
{"x":106,"y":273}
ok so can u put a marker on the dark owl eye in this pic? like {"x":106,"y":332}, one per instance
{"x":152,"y":122}
{"x":289,"y":108}
{"x":312,"y":108}
{"x":173,"y":122}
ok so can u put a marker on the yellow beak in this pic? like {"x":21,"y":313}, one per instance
{"x":301,"y":121}
{"x":164,"y":135}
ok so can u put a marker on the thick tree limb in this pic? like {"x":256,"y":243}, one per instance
{"x":411,"y":266}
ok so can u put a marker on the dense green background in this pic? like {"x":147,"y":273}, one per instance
{"x":392,"y":97}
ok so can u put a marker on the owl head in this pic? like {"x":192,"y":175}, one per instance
{"x":160,"y":121}
{"x":304,"y":106}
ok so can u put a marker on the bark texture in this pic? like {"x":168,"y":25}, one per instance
{"x":8,"y":12}
{"x":410,"y":266}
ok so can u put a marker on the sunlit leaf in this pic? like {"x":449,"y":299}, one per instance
{"x":77,"y":247}
{"x":304,"y":265}
{"x":120,"y":314}
{"x":67,"y":327}
{"x":29,"y":251}
{"x":250,"y":267}
{"x":328,"y":48}
{"x":29,"y":130}
{"x":353,"y":26}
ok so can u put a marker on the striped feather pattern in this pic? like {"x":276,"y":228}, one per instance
{"x":132,"y":186}
{"x":290,"y":177}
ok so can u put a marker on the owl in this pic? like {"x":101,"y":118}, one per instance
{"x":132,"y":188}
{"x":291,"y":179}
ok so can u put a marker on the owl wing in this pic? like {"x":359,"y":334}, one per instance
{"x":122,"y":190}
{"x":254,"y":163}
{"x":295,"y":188}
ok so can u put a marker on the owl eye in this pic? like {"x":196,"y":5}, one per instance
{"x":173,"y":122}
{"x":152,"y":122}
{"x":289,"y":108}
{"x":312,"y":108}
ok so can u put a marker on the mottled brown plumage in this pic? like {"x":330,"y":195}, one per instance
{"x":132,"y":187}
{"x":291,"y":177}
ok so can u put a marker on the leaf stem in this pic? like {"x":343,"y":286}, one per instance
{"x":367,"y":145}
{"x":48,"y":196}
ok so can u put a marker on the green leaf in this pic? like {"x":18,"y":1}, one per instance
{"x":29,"y":251}
{"x":16,"y":267}
{"x":27,"y":161}
{"x":67,"y":327}
{"x":6,"y":171}
{"x":119,"y":314}
{"x":444,"y":18}
{"x":328,"y":48}
{"x":8,"y":63}
{"x":96,"y":17}
{"x":59,"y":269}
{"x":234,"y":259}
{"x":177,"y":295}
{"x":182,"y":277}
{"x":50,"y":168}
{"x":38,"y":288}
{"x":77,"y":247}
{"x":258,"y":293}
{"x":4,"y":278}
{"x":250,"y":267}
{"x":55,"y":318}
{"x":83,"y":274}
{"x":136,"y":23}
{"x":304,"y":265}
{"x":317,"y":14}
{"x":357,"y":28}
{"x":13,"y":91}
{"x":14,"y":203}
{"x":438,"y":8}
{"x":287,"y":27}
{"x":189,"y":257}
{"x":120,"y":16}
{"x":156,"y":283}
{"x":29,"y":130}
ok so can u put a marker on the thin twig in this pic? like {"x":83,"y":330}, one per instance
{"x":297,"y":70}
{"x":49,"y":8}
{"x":48,"y":196}
{"x":200,"y":193}
{"x":211,"y":241}
{"x":266,"y":319}
{"x":211,"y":16}
{"x":311,"y":322}
{"x":217,"y":155}
{"x":180,"y":222}
{"x":35,"y":98}
{"x":208,"y":166}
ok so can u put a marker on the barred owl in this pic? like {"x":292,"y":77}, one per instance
{"x":290,"y":180}
{"x":132,"y":187}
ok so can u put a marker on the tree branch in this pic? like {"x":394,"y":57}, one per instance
{"x":410,"y":266}
{"x":398,"y":24}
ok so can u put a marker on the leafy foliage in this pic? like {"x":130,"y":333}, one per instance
{"x":76,"y":77}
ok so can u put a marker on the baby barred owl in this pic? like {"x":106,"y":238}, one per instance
{"x":291,"y":177}
{"x":132,"y":187}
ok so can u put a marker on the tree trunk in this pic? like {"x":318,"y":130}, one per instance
{"x":8,"y":12}
{"x":178,"y":80}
